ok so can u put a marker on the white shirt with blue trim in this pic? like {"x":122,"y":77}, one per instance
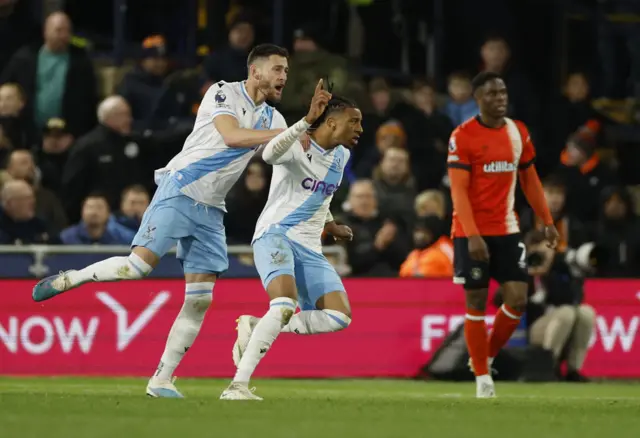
{"x":206,"y":168}
{"x":302,"y":186}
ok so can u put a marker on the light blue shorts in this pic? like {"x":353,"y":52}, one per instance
{"x":172,"y":217}
{"x":275,"y":254}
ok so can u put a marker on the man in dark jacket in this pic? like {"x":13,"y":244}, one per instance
{"x":107,"y":159}
{"x":57,"y":78}
{"x":379,"y":245}
{"x":19,"y":224}
{"x":230,"y":63}
{"x":584,"y":176}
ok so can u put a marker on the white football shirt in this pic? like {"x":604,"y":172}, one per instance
{"x":206,"y":168}
{"x":302,"y":186}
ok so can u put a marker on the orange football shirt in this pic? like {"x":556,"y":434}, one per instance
{"x":493,"y":157}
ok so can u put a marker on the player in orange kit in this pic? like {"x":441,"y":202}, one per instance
{"x":487,"y":154}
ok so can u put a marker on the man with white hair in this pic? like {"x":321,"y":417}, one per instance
{"x":106,"y":160}
{"x":18,"y":221}
{"x":57,"y":78}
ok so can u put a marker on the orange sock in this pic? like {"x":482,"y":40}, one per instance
{"x":475,"y":334}
{"x":506,"y":322}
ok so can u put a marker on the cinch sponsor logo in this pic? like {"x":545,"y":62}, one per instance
{"x":499,"y":167}
{"x":319,"y":186}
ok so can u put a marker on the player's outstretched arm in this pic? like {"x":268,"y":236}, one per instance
{"x":278,"y":150}
{"x":236,"y":137}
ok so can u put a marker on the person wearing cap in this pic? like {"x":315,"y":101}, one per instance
{"x":229,"y":63}
{"x":53,"y":153}
{"x":57,"y":78}
{"x":144,"y":85}
{"x":308,"y":63}
{"x":584,"y":175}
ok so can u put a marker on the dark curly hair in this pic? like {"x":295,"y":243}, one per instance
{"x":337,"y":103}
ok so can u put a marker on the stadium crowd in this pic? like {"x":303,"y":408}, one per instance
{"x":79,"y":144}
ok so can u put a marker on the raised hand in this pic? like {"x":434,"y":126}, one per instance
{"x":319,"y":102}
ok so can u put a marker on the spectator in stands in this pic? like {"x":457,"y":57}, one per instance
{"x":584,"y":176}
{"x":569,"y":112}
{"x":379,"y":245}
{"x":57,"y":78}
{"x":12,"y":121}
{"x":230,"y":63}
{"x":133,"y":204}
{"x":95,"y":227}
{"x":460,"y":105}
{"x":433,"y":253}
{"x":245,"y":203}
{"x":53,"y":154}
{"x":430,"y":203}
{"x":106,"y":159}
{"x":308,"y":63}
{"x":19,"y":224}
{"x":617,"y":234}
{"x":394,"y":184}
{"x":573,"y":233}
{"x":18,"y":26}
{"x":144,"y":85}
{"x":390,"y":134}
{"x":21,"y":166}
{"x":428,"y":142}
{"x":496,"y":54}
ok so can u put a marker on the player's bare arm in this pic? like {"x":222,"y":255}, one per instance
{"x":236,"y":137}
{"x":338,"y":232}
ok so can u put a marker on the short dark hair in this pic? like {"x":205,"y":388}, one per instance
{"x":97,"y":195}
{"x":336,"y":103}
{"x":483,"y":78}
{"x":134,"y":188}
{"x":263,"y":51}
{"x":459,"y":75}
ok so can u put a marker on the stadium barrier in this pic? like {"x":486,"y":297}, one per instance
{"x":119,"y":329}
{"x":37,"y":261}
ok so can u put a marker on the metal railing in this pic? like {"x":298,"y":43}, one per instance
{"x":40,"y":252}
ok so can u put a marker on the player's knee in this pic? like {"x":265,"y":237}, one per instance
{"x":283,"y":309}
{"x":477,"y":299}
{"x":146,"y":256}
{"x":135,"y":267}
{"x":341,"y":320}
{"x":518,"y":302}
{"x":198,"y":298}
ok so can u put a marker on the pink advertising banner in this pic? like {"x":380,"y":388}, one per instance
{"x":119,"y":329}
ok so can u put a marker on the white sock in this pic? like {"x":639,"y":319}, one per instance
{"x":186,"y":327}
{"x":113,"y":269}
{"x":263,"y":335}
{"x":310,"y":322}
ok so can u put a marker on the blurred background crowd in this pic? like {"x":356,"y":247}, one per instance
{"x":96,"y":95}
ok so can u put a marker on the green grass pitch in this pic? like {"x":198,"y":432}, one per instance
{"x":118,"y":408}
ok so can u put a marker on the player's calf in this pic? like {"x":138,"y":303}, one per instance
{"x":333,"y":314}
{"x":185,"y":329}
{"x":514,"y":295}
{"x":132,"y":267}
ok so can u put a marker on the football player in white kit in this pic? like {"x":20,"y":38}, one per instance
{"x":188,"y":206}
{"x":287,"y":242}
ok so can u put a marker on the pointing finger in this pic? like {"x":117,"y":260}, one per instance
{"x":320,"y":86}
